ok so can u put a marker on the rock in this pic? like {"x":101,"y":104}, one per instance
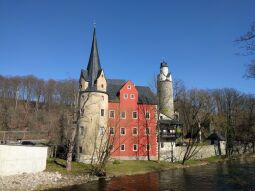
{"x":41,"y":180}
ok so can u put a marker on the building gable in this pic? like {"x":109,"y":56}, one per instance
{"x":145,"y":95}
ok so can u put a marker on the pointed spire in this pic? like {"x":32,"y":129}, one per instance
{"x":94,"y":66}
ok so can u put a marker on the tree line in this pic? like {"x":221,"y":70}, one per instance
{"x":33,"y":104}
{"x":226,"y":111}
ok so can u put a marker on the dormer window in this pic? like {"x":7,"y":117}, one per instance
{"x":129,"y":87}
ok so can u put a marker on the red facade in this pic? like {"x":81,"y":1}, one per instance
{"x":132,"y":125}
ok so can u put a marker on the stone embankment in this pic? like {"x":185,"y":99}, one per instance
{"x":41,"y":181}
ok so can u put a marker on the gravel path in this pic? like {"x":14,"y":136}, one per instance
{"x":41,"y":180}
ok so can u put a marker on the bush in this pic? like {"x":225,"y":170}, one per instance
{"x":116,"y":162}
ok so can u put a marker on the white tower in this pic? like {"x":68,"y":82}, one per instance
{"x":165,"y":92}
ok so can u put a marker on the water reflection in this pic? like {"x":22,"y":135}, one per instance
{"x":232,"y":175}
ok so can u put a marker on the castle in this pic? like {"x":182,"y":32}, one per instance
{"x":119,"y":114}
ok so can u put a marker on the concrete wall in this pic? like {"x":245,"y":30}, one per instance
{"x":201,"y":152}
{"x":17,"y":159}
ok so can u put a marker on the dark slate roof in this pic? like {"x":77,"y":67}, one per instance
{"x":113,"y":88}
{"x":163,"y":64}
{"x":170,"y":122}
{"x":84,"y":75}
{"x":145,"y":94}
{"x":94,"y":67}
{"x":216,"y":136}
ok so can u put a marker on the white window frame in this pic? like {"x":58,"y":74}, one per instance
{"x":121,"y":114}
{"x":136,"y":147}
{"x":133,"y":115}
{"x":136,"y":131}
{"x":121,"y":147}
{"x":125,"y":96}
{"x":132,"y":96}
{"x":129,"y":87}
{"x":113,"y":114}
{"x":147,"y":112}
{"x":124,"y":131}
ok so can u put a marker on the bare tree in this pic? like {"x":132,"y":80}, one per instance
{"x":109,"y":141}
{"x":148,"y":120}
{"x":247,"y":46}
{"x":195,"y":108}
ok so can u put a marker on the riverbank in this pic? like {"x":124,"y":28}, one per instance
{"x":56,"y":176}
{"x":122,"y":168}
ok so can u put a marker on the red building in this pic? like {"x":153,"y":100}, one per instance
{"x":132,"y":120}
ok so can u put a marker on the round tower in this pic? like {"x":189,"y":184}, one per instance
{"x":165,"y":92}
{"x":93,"y":105}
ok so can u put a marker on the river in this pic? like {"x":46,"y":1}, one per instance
{"x":228,"y":176}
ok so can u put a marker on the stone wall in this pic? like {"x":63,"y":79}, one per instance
{"x":201,"y":152}
{"x":17,"y":159}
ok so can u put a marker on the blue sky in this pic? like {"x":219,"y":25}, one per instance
{"x":52,"y":39}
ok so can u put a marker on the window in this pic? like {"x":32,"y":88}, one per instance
{"x":172,"y":131}
{"x":162,"y":145}
{"x":135,"y":147}
{"x":102,"y":85}
{"x":134,"y":115}
{"x":147,"y":130}
{"x":134,"y":131}
{"x":122,"y":131}
{"x":125,"y":96}
{"x":122,"y":147}
{"x":123,"y":115}
{"x":132,"y":96}
{"x":101,"y":131}
{"x":148,"y":147}
{"x":81,"y":130}
{"x":80,"y":149}
{"x":147,"y":115}
{"x":112,"y":113}
{"x":111,"y":130}
{"x":102,"y":112}
{"x":129,"y":87}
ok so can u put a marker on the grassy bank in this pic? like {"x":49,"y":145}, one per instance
{"x":59,"y":165}
{"x":120,"y":168}
{"x":140,"y":167}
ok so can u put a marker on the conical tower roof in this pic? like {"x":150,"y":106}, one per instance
{"x":94,"y":67}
